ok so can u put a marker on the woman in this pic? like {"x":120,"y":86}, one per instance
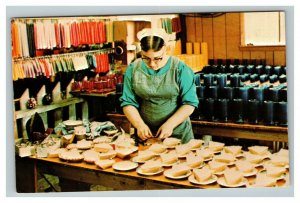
{"x":159,"y":91}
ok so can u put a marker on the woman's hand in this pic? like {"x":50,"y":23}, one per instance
{"x":166,"y":130}
{"x":144,"y":132}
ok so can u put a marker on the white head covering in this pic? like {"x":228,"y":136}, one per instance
{"x":159,"y":32}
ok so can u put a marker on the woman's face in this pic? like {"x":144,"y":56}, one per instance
{"x":154,"y":60}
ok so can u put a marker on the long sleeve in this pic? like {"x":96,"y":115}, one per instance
{"x":128,"y":97}
{"x":187,"y":85}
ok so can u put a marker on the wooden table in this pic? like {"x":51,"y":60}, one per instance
{"x":79,"y":176}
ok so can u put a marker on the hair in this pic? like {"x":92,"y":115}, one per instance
{"x":152,"y":42}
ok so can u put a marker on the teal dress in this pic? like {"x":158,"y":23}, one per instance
{"x":158,"y":94}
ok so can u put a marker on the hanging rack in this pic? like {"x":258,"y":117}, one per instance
{"x":106,"y":50}
{"x":66,"y":18}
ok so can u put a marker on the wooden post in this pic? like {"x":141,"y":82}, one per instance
{"x":68,"y":90}
{"x":72,"y":112}
{"x":23,"y":99}
{"x":40,"y":95}
{"x":85,"y":110}
{"x":56,"y":93}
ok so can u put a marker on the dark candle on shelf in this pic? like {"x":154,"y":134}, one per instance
{"x":259,"y":94}
{"x":269,"y":112}
{"x":254,"y":77}
{"x":221,"y":80}
{"x":223,"y":105}
{"x":238,"y":110}
{"x":208,"y":79}
{"x":277,"y":70}
{"x":235,"y":80}
{"x":228,"y":93}
{"x":213,"y":92}
{"x":282,"y":113}
{"x":210,"y":109}
{"x":253,"y":109}
{"x":241,"y":69}
{"x":200,"y":91}
{"x":273,"y":78}
{"x":282,"y":78}
{"x":259,"y":69}
{"x":268,"y":70}
{"x":244,"y":93}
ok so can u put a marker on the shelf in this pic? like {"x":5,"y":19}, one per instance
{"x":92,"y":94}
{"x":41,"y":109}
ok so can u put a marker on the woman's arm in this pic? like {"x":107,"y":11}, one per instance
{"x":177,"y":118}
{"x":136,"y":120}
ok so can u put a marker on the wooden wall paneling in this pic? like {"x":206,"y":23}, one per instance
{"x":258,"y":56}
{"x":198,"y":29}
{"x":246,"y":55}
{"x":207,"y":25}
{"x":219,"y":37}
{"x":279,"y":58}
{"x":269,"y":57}
{"x":190,"y":29}
{"x":233,"y":36}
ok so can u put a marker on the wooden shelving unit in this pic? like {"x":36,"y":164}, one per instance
{"x":56,"y":108}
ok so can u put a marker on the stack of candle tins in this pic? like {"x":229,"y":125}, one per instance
{"x":242,"y":94}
